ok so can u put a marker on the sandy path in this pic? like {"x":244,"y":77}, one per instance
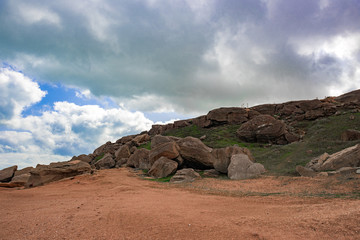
{"x":115,"y":204}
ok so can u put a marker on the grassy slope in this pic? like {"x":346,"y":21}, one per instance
{"x":322,"y":135}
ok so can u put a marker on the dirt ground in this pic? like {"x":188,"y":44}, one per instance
{"x":118,"y":204}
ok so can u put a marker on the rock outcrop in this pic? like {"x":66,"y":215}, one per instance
{"x":241,"y":167}
{"x":106,"y":162}
{"x":223,"y":156}
{"x":264,"y":129}
{"x":195,"y":153}
{"x":7,"y":174}
{"x":43,"y":174}
{"x":140,"y":159}
{"x":349,"y":157}
{"x":185,"y":175}
{"x":163,"y":167}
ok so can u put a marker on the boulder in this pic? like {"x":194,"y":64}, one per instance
{"x":211,"y":173}
{"x":228,"y":115}
{"x":140,"y":139}
{"x":22,"y":176}
{"x":140,"y":158}
{"x":167,"y":149}
{"x":84,"y":158}
{"x":106,"y":148}
{"x":349,"y":157}
{"x":241,"y":167}
{"x":185,"y":175}
{"x":201,"y":121}
{"x":106,"y":162}
{"x":159,"y":139}
{"x":7,"y":174}
{"x":122,"y":152}
{"x":223,"y":155}
{"x":43,"y":174}
{"x":305,"y":172}
{"x":195,"y":153}
{"x":125,"y":139}
{"x":21,"y":179}
{"x":347,"y":170}
{"x":163,"y":167}
{"x":262,"y":128}
{"x":350,"y":135}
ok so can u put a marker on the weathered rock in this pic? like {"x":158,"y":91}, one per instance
{"x":185,"y":175}
{"x":106,"y":148}
{"x":21,"y":179}
{"x":140,"y":139}
{"x":139,"y":158}
{"x":7,"y":174}
{"x":228,"y":115}
{"x":22,"y":176}
{"x":223,"y":155}
{"x":23,"y":171}
{"x":167,"y":149}
{"x":201,"y":121}
{"x":122,"y":152}
{"x":262,"y":128}
{"x":125,"y":139}
{"x":241,"y":167}
{"x":316,"y":163}
{"x":55,"y":171}
{"x":106,"y":162}
{"x":350,"y":135}
{"x":159,"y":139}
{"x":195,"y":153}
{"x":83,"y":157}
{"x":305,"y":172}
{"x":347,"y":170}
{"x":349,"y":157}
{"x":163,"y":167}
{"x":211,"y":173}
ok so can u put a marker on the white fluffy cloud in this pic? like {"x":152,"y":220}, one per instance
{"x":16,"y":93}
{"x":59,"y":133}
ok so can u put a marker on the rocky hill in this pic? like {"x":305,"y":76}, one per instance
{"x":279,"y":139}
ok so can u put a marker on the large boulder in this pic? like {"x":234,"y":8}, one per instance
{"x":350,"y":135}
{"x":106,"y":162}
{"x":223,"y":155}
{"x":122,"y":152}
{"x":185,"y":175}
{"x":139,"y":159}
{"x":241,"y":167}
{"x":163,"y":167}
{"x":159,"y":139}
{"x":22,"y":176}
{"x":349,"y":157}
{"x":84,"y":158}
{"x":262,"y":128}
{"x":140,"y":139}
{"x":195,"y":153}
{"x":228,"y":115}
{"x":55,"y":171}
{"x":7,"y":174}
{"x":167,"y":149}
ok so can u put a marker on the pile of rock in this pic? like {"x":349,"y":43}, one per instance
{"x":289,"y":113}
{"x":346,"y":161}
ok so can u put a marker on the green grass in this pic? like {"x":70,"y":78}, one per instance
{"x":100,"y":156}
{"x":322,"y":135}
{"x":164,"y":179}
{"x":145,"y":145}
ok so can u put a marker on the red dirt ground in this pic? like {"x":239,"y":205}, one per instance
{"x":117,"y":204}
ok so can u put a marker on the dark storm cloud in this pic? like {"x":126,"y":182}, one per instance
{"x":186,"y":56}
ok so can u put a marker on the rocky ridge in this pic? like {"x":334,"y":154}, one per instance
{"x":269,"y":123}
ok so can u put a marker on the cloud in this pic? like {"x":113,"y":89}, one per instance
{"x":188,"y":56}
{"x":16,"y":93}
{"x":57,"y":133}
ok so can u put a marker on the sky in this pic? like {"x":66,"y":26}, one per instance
{"x":76,"y":74}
